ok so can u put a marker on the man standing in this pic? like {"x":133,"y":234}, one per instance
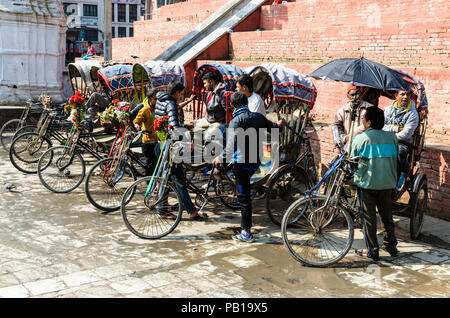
{"x":215,"y":102}
{"x":376,"y":178}
{"x":402,"y":119}
{"x":240,"y":148}
{"x":244,"y":84}
{"x":166,"y":105}
{"x":343,"y":118}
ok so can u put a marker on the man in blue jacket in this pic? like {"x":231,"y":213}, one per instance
{"x":166,"y":105}
{"x":244,"y":152}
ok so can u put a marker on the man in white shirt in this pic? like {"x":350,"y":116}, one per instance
{"x":244,"y":84}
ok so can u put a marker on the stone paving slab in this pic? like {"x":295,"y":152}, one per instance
{"x":59,"y":246}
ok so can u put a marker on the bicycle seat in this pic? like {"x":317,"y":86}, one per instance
{"x":104,"y":137}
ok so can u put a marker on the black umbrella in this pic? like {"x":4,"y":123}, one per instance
{"x":361,"y":72}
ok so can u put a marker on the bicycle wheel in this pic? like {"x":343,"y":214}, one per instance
{"x":140,"y":211}
{"x":105,"y":188}
{"x":317,"y":234}
{"x":60,"y":170}
{"x":226,"y":189}
{"x":26,"y":150}
{"x":7,"y":132}
{"x":418,"y":205}
{"x":288,"y":185}
{"x":24,"y":129}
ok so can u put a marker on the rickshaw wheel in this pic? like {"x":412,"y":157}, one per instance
{"x":418,"y":205}
{"x":286,"y":186}
{"x":228,"y":189}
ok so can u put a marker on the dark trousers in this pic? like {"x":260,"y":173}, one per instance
{"x":403,"y":151}
{"x":381,"y":199}
{"x":242,"y":174}
{"x":179,"y":178}
{"x":96,"y":103}
{"x":148,"y":150}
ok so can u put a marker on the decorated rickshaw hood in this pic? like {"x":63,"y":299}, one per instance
{"x":289,"y":84}
{"x":117,"y":77}
{"x":161,"y":73}
{"x":229,"y":73}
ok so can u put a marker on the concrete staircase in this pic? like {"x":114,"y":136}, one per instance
{"x":210,"y":31}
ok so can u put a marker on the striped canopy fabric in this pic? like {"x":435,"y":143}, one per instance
{"x":288,"y":84}
{"x":116,"y":78}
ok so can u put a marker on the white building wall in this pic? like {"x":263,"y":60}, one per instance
{"x":32,"y":52}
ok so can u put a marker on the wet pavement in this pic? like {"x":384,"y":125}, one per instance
{"x":58,"y":245}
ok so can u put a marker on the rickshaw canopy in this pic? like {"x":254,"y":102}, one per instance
{"x":161,"y":73}
{"x":116,"y":78}
{"x":81,"y":77}
{"x":228,"y":72}
{"x":288,"y":84}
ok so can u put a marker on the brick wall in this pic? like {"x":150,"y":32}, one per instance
{"x":168,"y":25}
{"x":409,"y":35}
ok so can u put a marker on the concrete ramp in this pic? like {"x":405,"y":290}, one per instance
{"x":210,"y":30}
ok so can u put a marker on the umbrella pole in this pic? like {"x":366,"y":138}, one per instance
{"x":355,"y":103}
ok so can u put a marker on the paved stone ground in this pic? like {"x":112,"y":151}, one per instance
{"x":58,"y":245}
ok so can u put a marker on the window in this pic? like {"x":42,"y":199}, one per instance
{"x":113,"y":32}
{"x":89,"y":10}
{"x":133,"y":13}
{"x":91,"y":35}
{"x":122,"y":32}
{"x":122,"y":13}
{"x":161,"y":3}
{"x":131,"y":32}
{"x":70,"y":8}
{"x":113,"y":14}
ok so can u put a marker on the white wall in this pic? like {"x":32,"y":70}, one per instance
{"x":32,"y":52}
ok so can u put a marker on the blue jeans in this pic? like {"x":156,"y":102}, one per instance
{"x":178,"y":177}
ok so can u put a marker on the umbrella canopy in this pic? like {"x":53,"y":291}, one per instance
{"x":361,"y":72}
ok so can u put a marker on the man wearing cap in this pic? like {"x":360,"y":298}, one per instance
{"x":343,"y":118}
{"x":215,"y":102}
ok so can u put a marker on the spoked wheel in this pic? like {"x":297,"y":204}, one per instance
{"x":107,"y":182}
{"x":61,"y":170}
{"x":199,"y":177}
{"x":287,"y":186}
{"x":24,"y":129}
{"x":315,"y":234}
{"x":26,"y":150}
{"x":147,"y":214}
{"x":7,"y":132}
{"x":226,"y":189}
{"x":418,"y":206}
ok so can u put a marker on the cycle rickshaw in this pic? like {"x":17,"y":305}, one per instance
{"x":110,"y":177}
{"x":228,"y":74}
{"x":291,"y":96}
{"x":83,"y":77}
{"x":318,"y":230}
{"x":415,"y":180}
{"x":116,"y":82}
{"x":156,"y":74}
